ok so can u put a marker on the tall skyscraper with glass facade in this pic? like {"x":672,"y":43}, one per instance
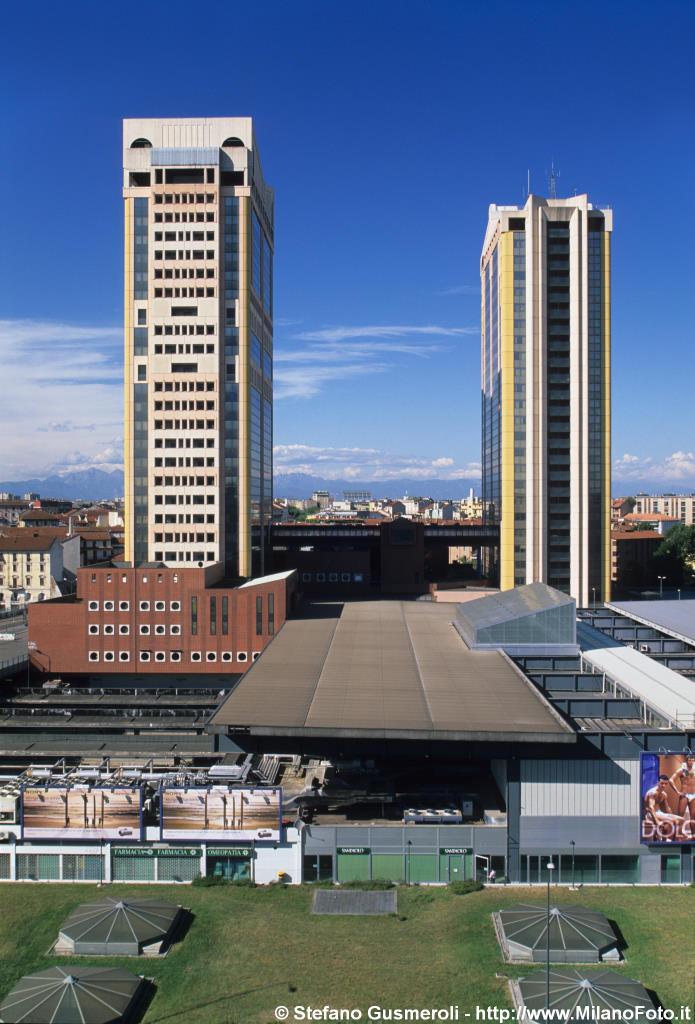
{"x":198,"y":344}
{"x":546,"y":330}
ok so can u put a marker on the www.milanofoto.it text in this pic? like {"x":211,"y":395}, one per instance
{"x":488,"y":1014}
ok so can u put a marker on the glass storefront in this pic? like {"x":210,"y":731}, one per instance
{"x":318,"y":867}
{"x":177,"y":869}
{"x":138,"y":867}
{"x":79,"y":867}
{"x":231,"y":867}
{"x":605,"y":868}
{"x":44,"y":867}
{"x":670,"y":868}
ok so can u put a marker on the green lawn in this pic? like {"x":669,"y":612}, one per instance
{"x":249,"y":950}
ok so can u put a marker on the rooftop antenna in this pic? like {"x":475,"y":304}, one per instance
{"x":554,"y":175}
{"x":528,"y":182}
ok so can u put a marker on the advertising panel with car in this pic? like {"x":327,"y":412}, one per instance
{"x":82,"y":812}
{"x":220,"y":812}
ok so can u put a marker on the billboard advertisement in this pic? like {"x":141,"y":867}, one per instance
{"x":81,"y":812}
{"x":667,"y":790}
{"x":220,"y":812}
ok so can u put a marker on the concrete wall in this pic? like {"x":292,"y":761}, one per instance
{"x":596,"y":788}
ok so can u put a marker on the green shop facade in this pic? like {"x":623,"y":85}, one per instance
{"x":412,"y":854}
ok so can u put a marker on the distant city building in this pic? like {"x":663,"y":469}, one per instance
{"x":199,"y":343}
{"x":321,"y":498}
{"x":32,"y":564}
{"x":677,"y":506}
{"x":11,"y":509}
{"x":545,"y":275}
{"x":443,"y":510}
{"x":96,"y":545}
{"x":414,"y":506}
{"x":357,"y":495}
{"x":471,"y":507}
{"x":620,"y":508}
{"x":40,"y":517}
{"x":651,"y":521}
{"x":301,"y":503}
{"x":394,"y":508}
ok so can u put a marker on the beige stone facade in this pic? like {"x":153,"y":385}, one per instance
{"x":31,"y":565}
{"x":199,"y":343}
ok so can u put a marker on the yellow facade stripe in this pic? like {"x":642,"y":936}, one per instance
{"x":606,"y":401}
{"x":127,"y":373}
{"x":244,"y":454}
{"x":506,"y":441}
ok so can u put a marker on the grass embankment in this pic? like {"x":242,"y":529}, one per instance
{"x":249,"y":950}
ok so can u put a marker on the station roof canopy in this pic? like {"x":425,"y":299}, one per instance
{"x":669,"y":694}
{"x":73,"y":995}
{"x":110,"y":927}
{"x":386,"y":670}
{"x":676,"y":618}
{"x":577,"y":934}
{"x":533,"y":616}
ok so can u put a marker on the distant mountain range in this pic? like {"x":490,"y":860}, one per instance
{"x":96,"y":485}
{"x":87,"y":484}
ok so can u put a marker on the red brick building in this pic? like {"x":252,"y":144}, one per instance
{"x":153,"y":620}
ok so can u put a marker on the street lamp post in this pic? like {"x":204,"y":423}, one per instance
{"x":572,"y":844}
{"x":550,"y":867}
{"x":593,"y":591}
{"x":31,"y":646}
{"x":679,"y":593}
{"x":661,"y":586}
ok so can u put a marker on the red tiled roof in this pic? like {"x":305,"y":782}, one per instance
{"x":38,"y":513}
{"x":26,"y":540}
{"x":650,"y":517}
{"x":636,"y":535}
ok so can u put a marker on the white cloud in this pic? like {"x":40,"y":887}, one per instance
{"x":305,"y":381}
{"x":680,"y":466}
{"x":65,"y":427}
{"x":340,"y":353}
{"x":58,"y":379}
{"x":677,"y":467}
{"x":461,"y":289}
{"x":365,"y":464}
{"x":344,"y":333}
{"x":31,"y":332}
{"x":108,"y":458}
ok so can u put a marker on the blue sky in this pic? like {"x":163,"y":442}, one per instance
{"x":386,"y":129}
